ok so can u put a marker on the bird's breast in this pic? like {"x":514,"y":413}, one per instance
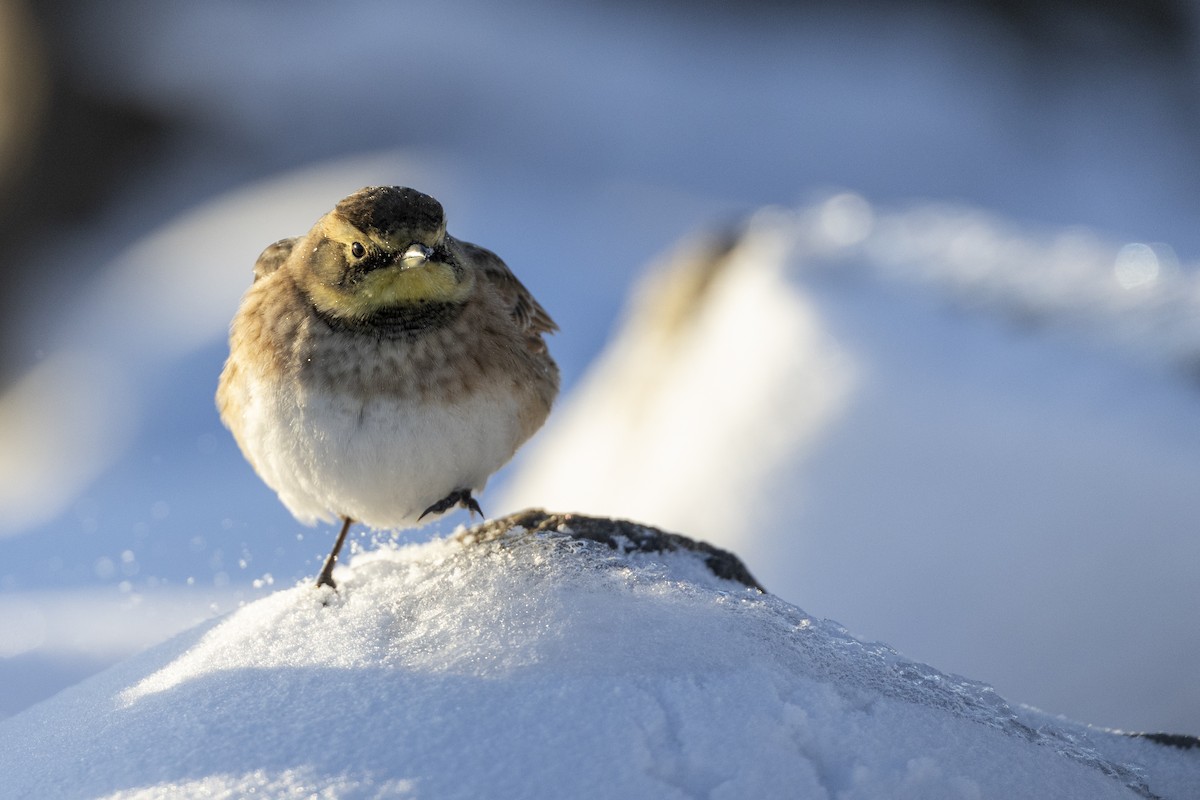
{"x":378,"y":459}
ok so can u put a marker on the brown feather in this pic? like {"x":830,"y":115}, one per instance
{"x":271,"y":258}
{"x":526,"y":312}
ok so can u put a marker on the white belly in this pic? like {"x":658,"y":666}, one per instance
{"x":381,"y":463}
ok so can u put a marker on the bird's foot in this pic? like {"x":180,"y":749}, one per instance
{"x":326,"y":576}
{"x":459,"y":497}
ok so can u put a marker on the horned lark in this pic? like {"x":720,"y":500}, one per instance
{"x":381,"y":370}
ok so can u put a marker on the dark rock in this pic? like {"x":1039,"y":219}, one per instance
{"x":1182,"y":741}
{"x":620,"y":535}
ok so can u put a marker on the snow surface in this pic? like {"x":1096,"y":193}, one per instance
{"x":545,"y":666}
{"x":49,"y":640}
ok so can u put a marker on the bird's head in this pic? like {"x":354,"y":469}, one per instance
{"x":383,"y":247}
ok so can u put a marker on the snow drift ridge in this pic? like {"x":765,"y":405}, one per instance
{"x":552,"y":654}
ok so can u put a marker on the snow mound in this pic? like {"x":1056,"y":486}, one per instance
{"x":954,"y":433}
{"x":552,"y":655}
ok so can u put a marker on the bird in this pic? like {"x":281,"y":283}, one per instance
{"x":381,"y":370}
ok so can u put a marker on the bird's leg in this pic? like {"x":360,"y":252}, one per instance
{"x":326,"y":576}
{"x":459,"y":497}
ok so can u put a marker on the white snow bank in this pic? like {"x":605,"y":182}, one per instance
{"x":546,"y":666}
{"x":49,"y":640}
{"x":966,"y":438}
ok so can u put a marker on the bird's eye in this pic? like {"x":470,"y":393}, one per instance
{"x":357,"y":250}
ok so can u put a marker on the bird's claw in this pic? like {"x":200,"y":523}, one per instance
{"x":459,"y":497}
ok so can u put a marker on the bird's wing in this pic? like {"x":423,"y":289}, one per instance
{"x":271,"y":258}
{"x":526,"y":311}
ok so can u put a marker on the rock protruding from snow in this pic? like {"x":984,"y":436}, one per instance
{"x":621,"y":535}
{"x":551,"y":655}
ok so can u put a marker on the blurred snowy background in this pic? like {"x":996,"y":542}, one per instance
{"x":988,"y":430}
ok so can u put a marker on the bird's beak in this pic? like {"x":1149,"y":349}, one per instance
{"x":416,"y":255}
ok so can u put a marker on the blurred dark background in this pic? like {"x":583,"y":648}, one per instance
{"x":82,"y":130}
